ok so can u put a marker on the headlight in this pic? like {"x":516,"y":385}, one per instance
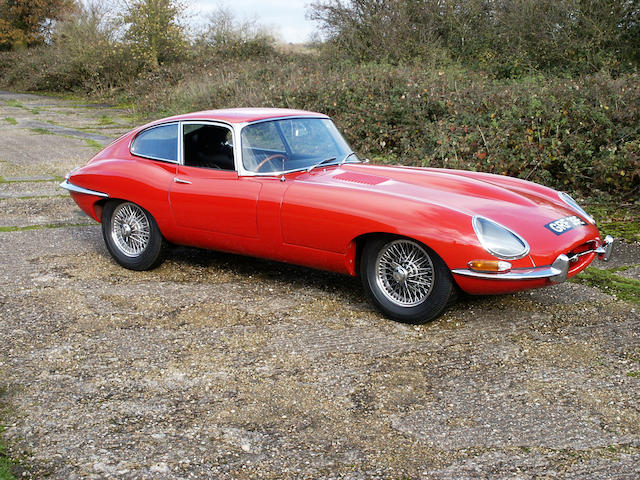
{"x":498,"y":240}
{"x":566,"y":198}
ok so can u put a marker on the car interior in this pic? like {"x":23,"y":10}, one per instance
{"x":208,"y":146}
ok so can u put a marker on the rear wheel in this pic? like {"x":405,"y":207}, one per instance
{"x":405,"y":279}
{"x":132,"y":236}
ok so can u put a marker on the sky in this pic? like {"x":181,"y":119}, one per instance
{"x":285,"y":18}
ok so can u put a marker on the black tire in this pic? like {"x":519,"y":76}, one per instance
{"x":405,"y":279}
{"x":132,"y":236}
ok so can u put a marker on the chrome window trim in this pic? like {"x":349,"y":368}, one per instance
{"x":149,"y":157}
{"x":67,"y":185}
{"x":215,"y":123}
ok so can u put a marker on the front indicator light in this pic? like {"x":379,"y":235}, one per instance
{"x":489,"y":266}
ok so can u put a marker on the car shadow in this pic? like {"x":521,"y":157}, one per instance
{"x":269,"y":270}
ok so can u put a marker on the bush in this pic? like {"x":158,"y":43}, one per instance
{"x":580,"y":135}
{"x":509,"y":37}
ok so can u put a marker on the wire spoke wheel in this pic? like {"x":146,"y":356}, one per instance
{"x":130,"y":229}
{"x":404,"y":273}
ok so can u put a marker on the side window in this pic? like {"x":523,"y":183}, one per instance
{"x":208,"y":146}
{"x":159,"y":143}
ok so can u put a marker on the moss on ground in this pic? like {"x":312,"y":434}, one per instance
{"x":620,"y":220}
{"x":609,"y":282}
{"x":6,"y":464}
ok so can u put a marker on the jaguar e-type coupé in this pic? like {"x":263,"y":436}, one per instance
{"x":285,"y":185}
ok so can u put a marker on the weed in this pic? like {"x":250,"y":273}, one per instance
{"x":11,"y":121}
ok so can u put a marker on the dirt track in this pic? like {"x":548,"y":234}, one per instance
{"x":218,"y":366}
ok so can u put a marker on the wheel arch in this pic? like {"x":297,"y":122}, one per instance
{"x":356,"y":247}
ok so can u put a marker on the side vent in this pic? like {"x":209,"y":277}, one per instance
{"x":360,"y":178}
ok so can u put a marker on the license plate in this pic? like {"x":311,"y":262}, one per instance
{"x":565,"y":224}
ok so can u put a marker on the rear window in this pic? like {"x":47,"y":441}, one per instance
{"x":158,"y":143}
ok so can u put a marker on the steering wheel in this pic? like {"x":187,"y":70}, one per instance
{"x":271,"y":158}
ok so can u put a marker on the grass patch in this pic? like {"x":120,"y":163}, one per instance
{"x":609,"y":282}
{"x":15,"y":104}
{"x":41,"y":131}
{"x":5,"y":462}
{"x":105,"y":120}
{"x":54,"y":178}
{"x":93,"y":144}
{"x":46,"y":226}
{"x":634,"y":374}
{"x":7,"y":466}
{"x":11,"y":121}
{"x":31,"y":197}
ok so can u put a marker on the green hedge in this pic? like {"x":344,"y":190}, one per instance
{"x":575,"y":134}
{"x":580,"y":134}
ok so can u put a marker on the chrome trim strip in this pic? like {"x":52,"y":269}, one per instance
{"x":557,"y":272}
{"x":520,"y":274}
{"x":74,"y":188}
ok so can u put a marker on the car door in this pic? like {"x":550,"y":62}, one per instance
{"x":207,"y":194}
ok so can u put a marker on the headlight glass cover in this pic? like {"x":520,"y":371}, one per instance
{"x":566,"y":198}
{"x":499,"y":240}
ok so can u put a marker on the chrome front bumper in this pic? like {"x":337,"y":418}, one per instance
{"x":557,"y":272}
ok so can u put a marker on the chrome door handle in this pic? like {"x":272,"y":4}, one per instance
{"x":179,"y":180}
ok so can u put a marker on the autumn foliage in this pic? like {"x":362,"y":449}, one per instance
{"x":26,"y":23}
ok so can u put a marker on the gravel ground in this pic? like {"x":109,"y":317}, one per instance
{"x":219,"y":366}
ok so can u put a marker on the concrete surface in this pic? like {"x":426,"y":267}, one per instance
{"x":219,"y":366}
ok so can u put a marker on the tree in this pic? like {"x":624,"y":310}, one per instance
{"x":30,"y":22}
{"x":154,"y":29}
{"x":507,"y":35}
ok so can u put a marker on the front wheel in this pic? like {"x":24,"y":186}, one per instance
{"x":405,"y":279}
{"x":132,"y":236}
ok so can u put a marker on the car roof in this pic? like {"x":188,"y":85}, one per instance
{"x":242,"y":115}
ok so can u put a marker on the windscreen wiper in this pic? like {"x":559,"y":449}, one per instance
{"x":321,"y":162}
{"x":346,"y":157}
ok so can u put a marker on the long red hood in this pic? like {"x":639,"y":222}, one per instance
{"x":522,"y":206}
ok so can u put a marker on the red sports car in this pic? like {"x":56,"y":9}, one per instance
{"x":285,"y":185}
